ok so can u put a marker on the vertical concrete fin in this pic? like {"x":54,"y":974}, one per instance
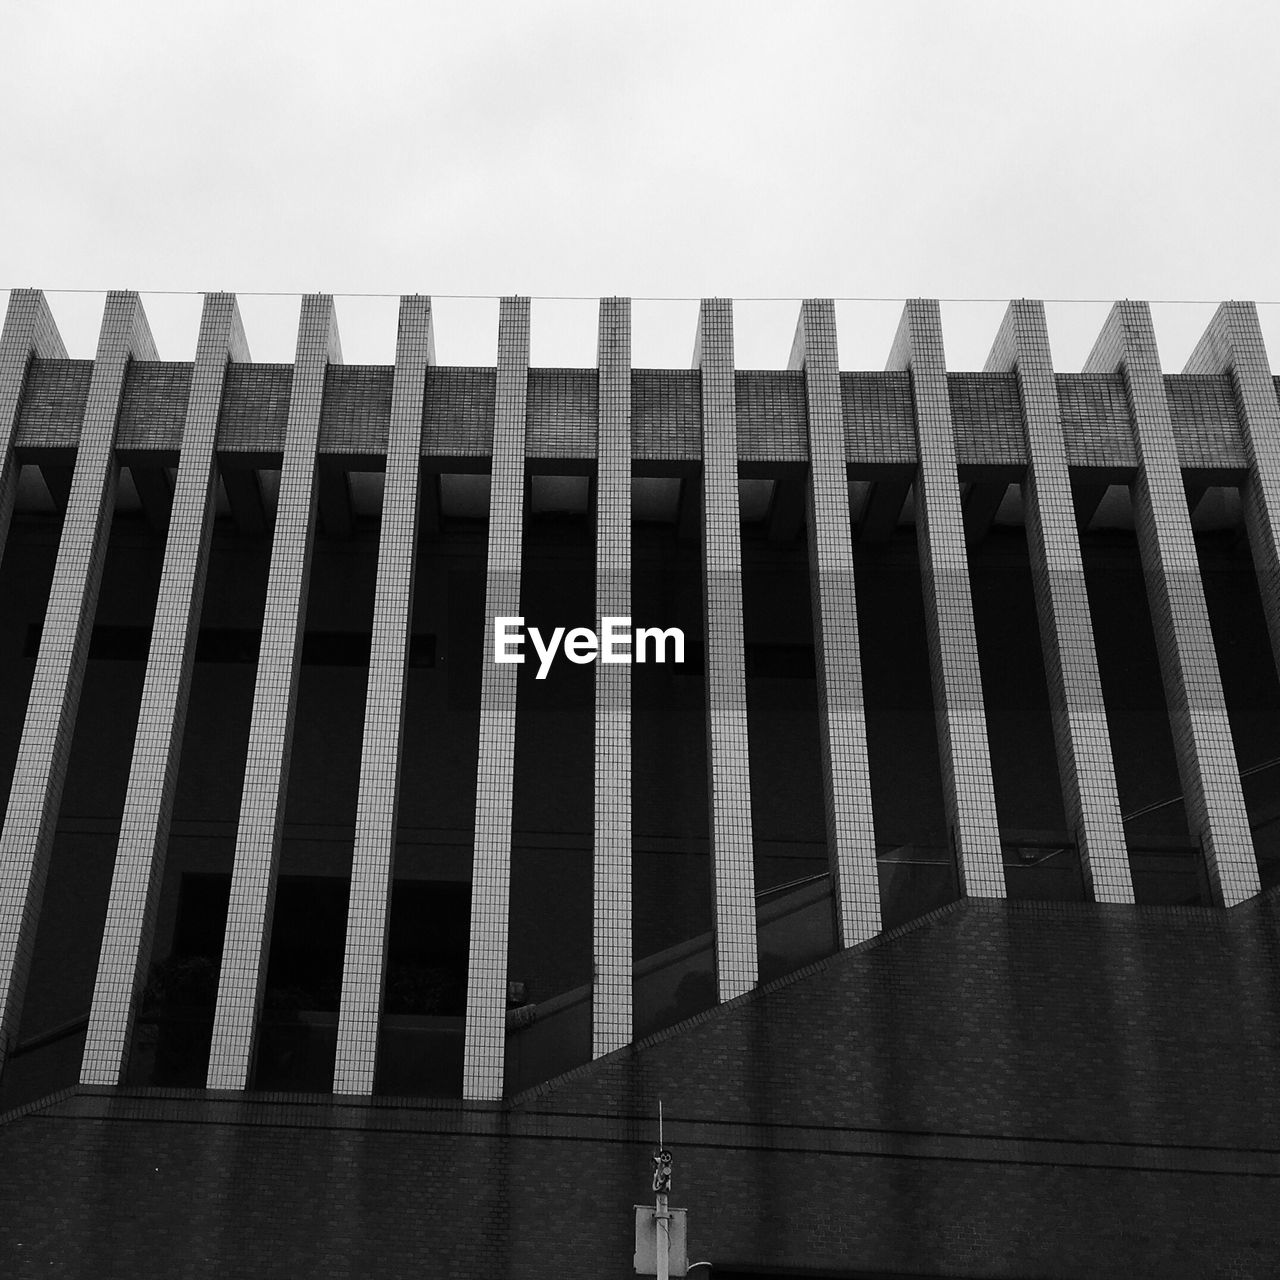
{"x":1233,"y":344}
{"x":1081,"y":736}
{"x":26,"y":841}
{"x":846,"y":774}
{"x":729,"y":780}
{"x":29,"y":331}
{"x":373,"y":862}
{"x":253,"y":878}
{"x":953,"y":645}
{"x":484,"y":1040}
{"x":1188,"y":662}
{"x":611,"y":1015}
{"x":153,"y":772}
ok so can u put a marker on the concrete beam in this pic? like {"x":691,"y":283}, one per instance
{"x":953,"y":646}
{"x":26,"y":840}
{"x":846,"y":789}
{"x":611,"y":1007}
{"x":377,"y":802}
{"x":729,"y":775}
{"x":138,"y":870}
{"x":1202,"y":739}
{"x":484,"y":1040}
{"x":1082,"y":739}
{"x":242,"y":976}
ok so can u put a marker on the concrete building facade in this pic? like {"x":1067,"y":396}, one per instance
{"x":934,"y":894}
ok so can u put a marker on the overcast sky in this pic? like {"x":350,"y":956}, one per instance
{"x":954,"y":150}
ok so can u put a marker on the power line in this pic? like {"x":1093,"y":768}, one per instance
{"x":580,"y":297}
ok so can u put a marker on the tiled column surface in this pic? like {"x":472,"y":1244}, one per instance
{"x":29,"y":331}
{"x":485,"y":1035}
{"x":1081,"y":736}
{"x":1188,"y":663}
{"x":266,"y":778}
{"x":157,"y":745}
{"x":846,"y":776}
{"x":611,"y":992}
{"x":953,"y":646}
{"x":1233,"y":344}
{"x":27,"y":839}
{"x":729,"y":783}
{"x":373,"y":862}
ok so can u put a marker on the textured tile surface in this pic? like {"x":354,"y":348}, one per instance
{"x":26,"y":842}
{"x":153,"y":772}
{"x":242,"y":975}
{"x":1188,"y":664}
{"x":611,"y":1014}
{"x":1081,"y":736}
{"x":846,"y":781}
{"x":485,"y":1037}
{"x":953,"y":644}
{"x":729,"y":781}
{"x":373,"y":861}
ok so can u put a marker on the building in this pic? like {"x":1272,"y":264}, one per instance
{"x":933,"y":895}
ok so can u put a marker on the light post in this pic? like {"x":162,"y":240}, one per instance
{"x":661,"y":1215}
{"x":661,"y":1249}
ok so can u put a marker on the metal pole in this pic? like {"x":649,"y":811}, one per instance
{"x":663,"y":1220}
{"x":662,"y":1217}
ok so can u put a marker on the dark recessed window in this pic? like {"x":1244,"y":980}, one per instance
{"x":240,"y":644}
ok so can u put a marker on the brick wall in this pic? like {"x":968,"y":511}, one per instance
{"x":1003,"y":1089}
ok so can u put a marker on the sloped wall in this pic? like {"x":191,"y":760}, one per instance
{"x":1000,"y":1090}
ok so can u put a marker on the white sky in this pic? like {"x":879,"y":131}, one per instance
{"x":955,"y":150}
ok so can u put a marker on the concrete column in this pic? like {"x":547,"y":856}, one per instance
{"x":1083,"y":741}
{"x":373,"y":863}
{"x":729,"y":780}
{"x":1233,"y":345}
{"x":153,"y":773}
{"x":28,"y":331}
{"x":26,"y":842}
{"x":484,"y":1043}
{"x":846,"y":774}
{"x":953,"y":646}
{"x":266,"y":779}
{"x":1188,"y":663}
{"x":611,"y":1014}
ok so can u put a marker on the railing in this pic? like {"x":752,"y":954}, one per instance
{"x":51,"y":1036}
{"x":795,"y":928}
{"x":914,"y":880}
